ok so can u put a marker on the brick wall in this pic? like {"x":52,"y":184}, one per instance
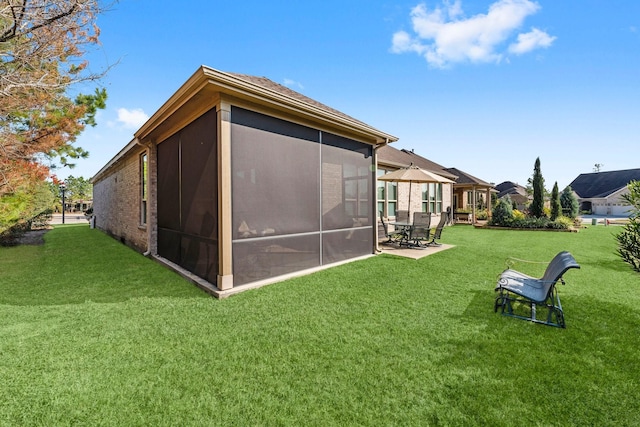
{"x":116,"y":202}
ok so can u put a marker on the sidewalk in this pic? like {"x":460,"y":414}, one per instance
{"x":69,"y":218}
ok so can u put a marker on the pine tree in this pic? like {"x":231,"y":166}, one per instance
{"x":556,"y":207}
{"x":569,"y":202}
{"x":42,"y":49}
{"x":536,"y":209}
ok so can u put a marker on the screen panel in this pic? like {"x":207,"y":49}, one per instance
{"x":346,"y":244}
{"x":275,"y":182}
{"x":169,"y":183}
{"x":347,"y":177}
{"x":292,"y":188}
{"x":259,"y":259}
{"x":187,"y":197}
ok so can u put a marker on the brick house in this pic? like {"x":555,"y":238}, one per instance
{"x":237,"y":181}
{"x":461,"y":195}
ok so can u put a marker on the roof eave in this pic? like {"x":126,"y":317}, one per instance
{"x":207,"y":79}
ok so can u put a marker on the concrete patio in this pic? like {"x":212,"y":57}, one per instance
{"x":412,"y":253}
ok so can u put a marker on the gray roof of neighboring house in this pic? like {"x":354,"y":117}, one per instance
{"x":602,"y":184}
{"x":510,"y":188}
{"x":508,"y":184}
{"x":465,"y":178}
{"x":403,"y":158}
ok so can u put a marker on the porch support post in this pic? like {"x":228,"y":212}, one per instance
{"x":489,"y":203}
{"x":225,"y":261}
{"x":475,"y":202}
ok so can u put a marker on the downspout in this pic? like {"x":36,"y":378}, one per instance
{"x":375,"y":192}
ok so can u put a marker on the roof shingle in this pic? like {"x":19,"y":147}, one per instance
{"x":602,"y":184}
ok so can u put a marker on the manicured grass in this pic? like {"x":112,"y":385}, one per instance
{"x":92,"y":333}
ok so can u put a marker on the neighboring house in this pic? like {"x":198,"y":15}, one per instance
{"x":601,"y":192}
{"x":237,"y":181}
{"x":463,"y":194}
{"x":517,"y":193}
{"x":470,"y":193}
{"x":428,"y":197}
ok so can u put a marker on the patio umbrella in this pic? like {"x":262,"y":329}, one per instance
{"x":413,"y":174}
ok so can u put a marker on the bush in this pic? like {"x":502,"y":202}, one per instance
{"x":502,"y":214}
{"x":561,"y":223}
{"x":530,"y":222}
{"x":629,"y":238}
{"x":569,"y":202}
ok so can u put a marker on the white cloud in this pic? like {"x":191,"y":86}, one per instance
{"x":444,"y":36}
{"x":531,"y":41}
{"x":292,"y":83}
{"x":132,"y":119}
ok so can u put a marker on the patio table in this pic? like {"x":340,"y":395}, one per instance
{"x":404,"y":229}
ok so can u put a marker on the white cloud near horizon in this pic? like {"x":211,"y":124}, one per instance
{"x":444,"y":36}
{"x":132,"y":119}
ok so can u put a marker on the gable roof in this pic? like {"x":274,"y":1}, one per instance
{"x":603,"y":184}
{"x":403,"y":158}
{"x":277,"y":87}
{"x":507,"y":185}
{"x":465,"y":178}
{"x":511,"y":188}
{"x":198,"y":93}
{"x":207,"y":86}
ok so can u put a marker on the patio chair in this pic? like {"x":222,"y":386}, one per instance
{"x":420,"y":230}
{"x":524,"y":293}
{"x":391,"y":235}
{"x":402,"y":216}
{"x":438,"y":233}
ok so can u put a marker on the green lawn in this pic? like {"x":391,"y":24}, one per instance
{"x":92,"y":333}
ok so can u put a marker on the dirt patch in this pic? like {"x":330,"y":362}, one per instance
{"x":33,"y":237}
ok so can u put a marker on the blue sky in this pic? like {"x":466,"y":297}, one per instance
{"x":485,"y":86}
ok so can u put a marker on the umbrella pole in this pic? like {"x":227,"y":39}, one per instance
{"x":409,"y":207}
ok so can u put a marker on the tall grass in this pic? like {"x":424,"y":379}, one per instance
{"x":92,"y":333}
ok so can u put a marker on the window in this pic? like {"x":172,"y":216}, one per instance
{"x":432,"y":197}
{"x":143,"y":188}
{"x":356,"y":193}
{"x":387,"y":194}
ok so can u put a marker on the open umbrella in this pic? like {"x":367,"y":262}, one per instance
{"x":413,"y":174}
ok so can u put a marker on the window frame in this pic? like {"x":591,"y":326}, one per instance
{"x":144,"y":188}
{"x":386,"y":187}
{"x":432,"y":197}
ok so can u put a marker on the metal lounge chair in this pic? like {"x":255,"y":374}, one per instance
{"x":438,"y":233}
{"x":518,"y":288}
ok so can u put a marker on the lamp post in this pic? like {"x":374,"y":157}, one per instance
{"x":63,"y":187}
